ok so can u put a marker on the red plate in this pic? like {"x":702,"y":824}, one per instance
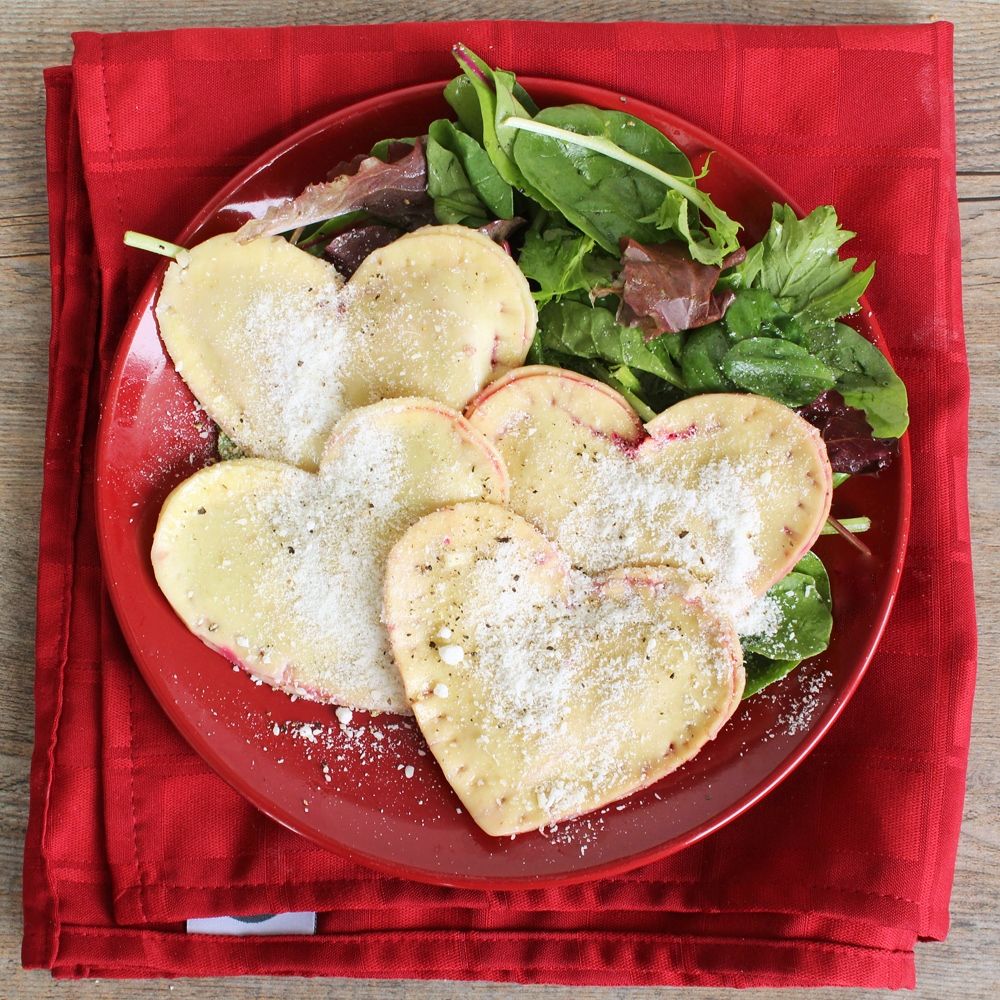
{"x":347,"y":789}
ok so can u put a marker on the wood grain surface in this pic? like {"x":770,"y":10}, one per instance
{"x":35,"y":34}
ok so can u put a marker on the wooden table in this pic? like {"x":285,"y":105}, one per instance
{"x":35,"y":34}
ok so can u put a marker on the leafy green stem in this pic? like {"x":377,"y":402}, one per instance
{"x":621,"y":376}
{"x":855,"y":525}
{"x":849,"y":534}
{"x":143,"y":242}
{"x":467,"y":61}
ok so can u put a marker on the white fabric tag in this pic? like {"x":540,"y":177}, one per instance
{"x":266,"y":923}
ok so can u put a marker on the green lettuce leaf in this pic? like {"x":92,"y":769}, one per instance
{"x":621,"y":378}
{"x":754,"y":311}
{"x":575,"y":328}
{"x":678,"y":215}
{"x":701,"y":360}
{"x":455,"y":200}
{"x":497,"y":98}
{"x":595,"y":166}
{"x":562,"y":260}
{"x":761,"y":671}
{"x":798,"y":262}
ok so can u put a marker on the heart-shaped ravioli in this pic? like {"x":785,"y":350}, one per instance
{"x":441,"y":311}
{"x":732,"y":488}
{"x":282,"y":570}
{"x":544,"y":693}
{"x":276,"y":346}
{"x":258,"y":332}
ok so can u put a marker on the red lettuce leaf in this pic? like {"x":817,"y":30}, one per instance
{"x":396,"y":192}
{"x":850,"y":444}
{"x":349,"y":248}
{"x":499,"y":230}
{"x":388,"y":151}
{"x":664,"y":291}
{"x":348,"y":168}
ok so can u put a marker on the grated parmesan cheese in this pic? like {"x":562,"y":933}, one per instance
{"x":316,"y":591}
{"x":530,"y":654}
{"x":630,"y":513}
{"x":292,"y":347}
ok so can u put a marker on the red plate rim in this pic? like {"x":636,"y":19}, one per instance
{"x":234,"y":776}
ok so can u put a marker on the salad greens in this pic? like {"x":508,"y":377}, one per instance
{"x":770,"y":366}
{"x":865,"y":379}
{"x":601,"y":188}
{"x":641,"y":282}
{"x":562,"y":261}
{"x":639,"y":276}
{"x":497,"y":97}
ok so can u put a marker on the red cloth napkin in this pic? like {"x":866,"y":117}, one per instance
{"x":833,"y":878}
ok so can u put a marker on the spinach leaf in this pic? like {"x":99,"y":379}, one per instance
{"x":805,"y":620}
{"x":812,"y":565}
{"x":592,"y":332}
{"x":477,"y":170}
{"x":455,"y":201}
{"x":865,"y":379}
{"x":756,"y":313}
{"x":620,"y":377}
{"x":525,"y":99}
{"x":461,"y":95}
{"x":537,"y":355}
{"x":606,"y":172}
{"x":561,"y":150}
{"x":562,"y":260}
{"x":761,"y":671}
{"x":701,"y":360}
{"x":778,"y":369}
{"x":464,"y":100}
{"x":798,"y":262}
